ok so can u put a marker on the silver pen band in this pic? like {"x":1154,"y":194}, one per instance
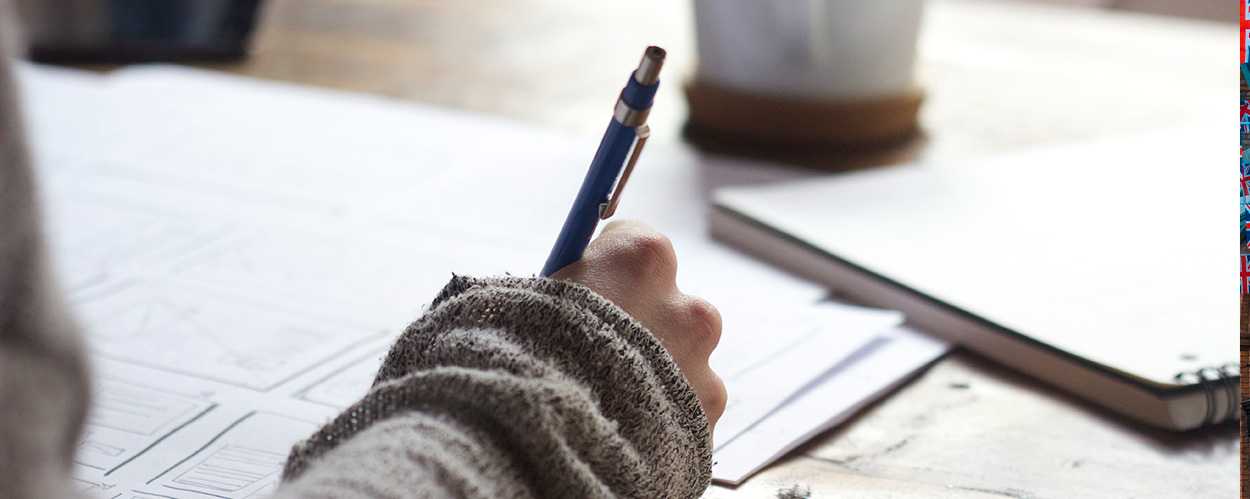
{"x":629,"y":116}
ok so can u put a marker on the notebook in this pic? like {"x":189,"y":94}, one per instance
{"x":1104,"y":269}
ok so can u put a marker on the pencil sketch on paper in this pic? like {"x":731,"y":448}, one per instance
{"x":134,"y":494}
{"x":127,"y":419}
{"x":94,"y":237}
{"x":318,"y":270}
{"x":242,"y":343}
{"x":243,"y":461}
{"x":345,"y":386}
{"x":231,"y":468}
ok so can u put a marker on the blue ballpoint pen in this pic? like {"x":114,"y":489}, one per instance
{"x":629,"y":123}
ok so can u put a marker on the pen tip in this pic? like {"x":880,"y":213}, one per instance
{"x":649,"y":69}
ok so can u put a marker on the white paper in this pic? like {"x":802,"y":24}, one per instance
{"x":241,"y":254}
{"x":857,"y":381}
{"x":764,"y":358}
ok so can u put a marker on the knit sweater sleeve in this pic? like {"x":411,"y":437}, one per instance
{"x":514,"y":387}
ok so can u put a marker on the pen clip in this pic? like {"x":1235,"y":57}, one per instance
{"x":609,"y":208}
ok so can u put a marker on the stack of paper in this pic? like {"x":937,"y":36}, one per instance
{"x":242,"y":253}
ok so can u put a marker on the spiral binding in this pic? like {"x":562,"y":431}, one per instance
{"x":1212,"y":379}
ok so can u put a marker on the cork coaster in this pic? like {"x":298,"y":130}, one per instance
{"x":718,"y":114}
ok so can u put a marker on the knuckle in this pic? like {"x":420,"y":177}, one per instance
{"x":704,"y":322}
{"x":717,"y":397}
{"x":648,"y":255}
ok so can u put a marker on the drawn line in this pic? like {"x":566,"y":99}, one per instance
{"x":201,"y":449}
{"x":262,"y":389}
{"x":150,"y":494}
{"x":197,"y":492}
{"x":235,"y":355}
{"x":163,"y":437}
{"x":303,"y":394}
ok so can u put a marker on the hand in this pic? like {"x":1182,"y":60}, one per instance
{"x":636,"y":268}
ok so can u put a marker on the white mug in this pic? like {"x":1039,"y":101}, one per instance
{"x":808,"y":49}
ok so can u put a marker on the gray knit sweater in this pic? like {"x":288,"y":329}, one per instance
{"x":507,"y":388}
{"x":512,"y":387}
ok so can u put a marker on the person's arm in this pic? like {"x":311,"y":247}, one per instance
{"x":514,"y":387}
{"x":44,"y":390}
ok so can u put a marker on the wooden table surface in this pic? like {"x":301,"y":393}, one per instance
{"x":1000,"y":76}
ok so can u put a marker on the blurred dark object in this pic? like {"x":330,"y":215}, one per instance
{"x":119,"y":31}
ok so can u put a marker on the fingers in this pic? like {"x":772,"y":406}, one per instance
{"x":690,"y":331}
{"x":703,"y":324}
{"x":711,"y":391}
{"x":635,"y":267}
{"x":695,"y":322}
{"x":639,"y":249}
{"x":630,"y":264}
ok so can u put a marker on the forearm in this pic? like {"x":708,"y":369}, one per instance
{"x":413,"y":454}
{"x":533,"y":387}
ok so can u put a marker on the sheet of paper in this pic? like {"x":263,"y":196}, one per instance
{"x":880,"y":366}
{"x":242,"y":253}
{"x":765,"y":358}
{"x":156,"y":432}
